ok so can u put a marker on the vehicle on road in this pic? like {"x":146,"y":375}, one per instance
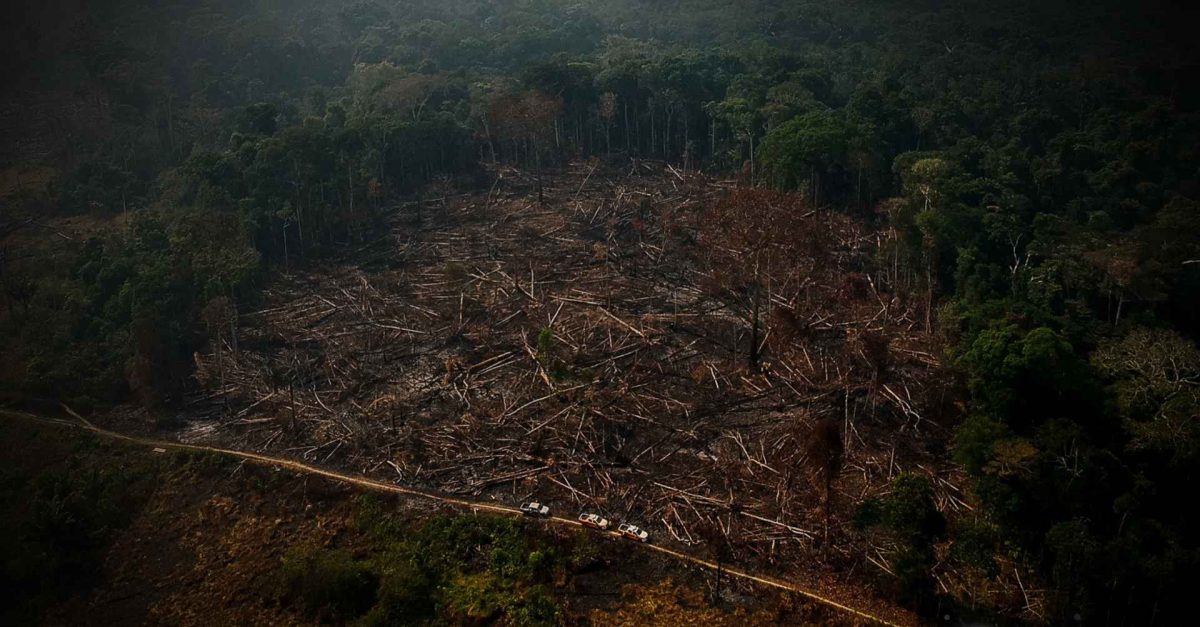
{"x":594,"y":521}
{"x":633,"y":532}
{"x":534,"y":508}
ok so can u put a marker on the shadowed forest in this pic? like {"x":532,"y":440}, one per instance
{"x":895,"y":299}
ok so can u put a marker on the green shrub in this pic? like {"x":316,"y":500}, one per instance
{"x":537,"y":607}
{"x":909,"y":517}
{"x":373,"y":516}
{"x":476,"y":597}
{"x":584,"y":551}
{"x":975,"y":545}
{"x":328,"y":584}
{"x":73,"y":514}
{"x":406,"y":597}
{"x":63,"y":511}
{"x":466,"y":569}
{"x":550,"y":356}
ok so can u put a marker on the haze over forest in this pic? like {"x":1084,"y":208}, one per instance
{"x":893,"y":301}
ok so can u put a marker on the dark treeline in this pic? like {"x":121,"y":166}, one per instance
{"x":1034,"y":162}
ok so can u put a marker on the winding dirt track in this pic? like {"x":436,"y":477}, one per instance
{"x":380,"y":486}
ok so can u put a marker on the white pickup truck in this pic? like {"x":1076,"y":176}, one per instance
{"x":533,"y":508}
{"x":594,"y":521}
{"x":633,"y":532}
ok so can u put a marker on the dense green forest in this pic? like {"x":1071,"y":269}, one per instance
{"x":1037,"y":163}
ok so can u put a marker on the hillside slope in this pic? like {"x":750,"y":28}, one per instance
{"x":130,"y":536}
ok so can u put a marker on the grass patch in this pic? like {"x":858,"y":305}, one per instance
{"x":330,"y":585}
{"x":447,"y":569}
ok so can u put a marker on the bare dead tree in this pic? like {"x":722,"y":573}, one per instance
{"x":216,"y":315}
{"x":528,"y":118}
{"x":754,"y":240}
{"x":824,"y":452}
{"x":716,"y":544}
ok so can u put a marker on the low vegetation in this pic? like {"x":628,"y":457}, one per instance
{"x":75,"y":550}
{"x":60,"y":516}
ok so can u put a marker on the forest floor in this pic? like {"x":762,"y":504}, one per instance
{"x":576,"y":351}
